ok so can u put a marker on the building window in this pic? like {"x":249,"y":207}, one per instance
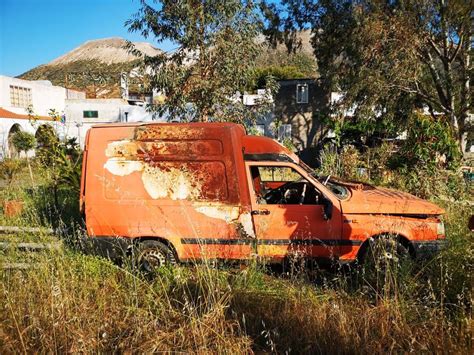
{"x":20,"y":96}
{"x":90,"y":114}
{"x":284,"y":132}
{"x":302,"y":93}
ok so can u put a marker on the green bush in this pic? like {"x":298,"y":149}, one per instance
{"x":23,"y":141}
{"x":9,"y":168}
{"x":430,"y":144}
{"x":261,"y":75}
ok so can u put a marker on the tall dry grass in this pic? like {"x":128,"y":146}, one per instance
{"x":69,"y":302}
{"x":75,"y":303}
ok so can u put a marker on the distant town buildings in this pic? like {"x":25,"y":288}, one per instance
{"x":20,"y":100}
{"x":299,"y":104}
{"x":299,"y":109}
{"x":27,"y":105}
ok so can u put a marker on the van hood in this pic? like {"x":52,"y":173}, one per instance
{"x":377,"y":200}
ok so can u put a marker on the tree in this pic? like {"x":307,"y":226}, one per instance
{"x":390,"y":57}
{"x":215,"y":55}
{"x":281,"y":21}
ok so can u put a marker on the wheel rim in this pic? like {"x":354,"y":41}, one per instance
{"x":152,"y":260}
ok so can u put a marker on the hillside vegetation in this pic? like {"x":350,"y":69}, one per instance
{"x":94,"y":66}
{"x":96,"y":78}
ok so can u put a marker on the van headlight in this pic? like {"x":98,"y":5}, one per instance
{"x":440,"y":229}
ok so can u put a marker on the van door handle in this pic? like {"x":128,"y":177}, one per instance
{"x":260,"y":212}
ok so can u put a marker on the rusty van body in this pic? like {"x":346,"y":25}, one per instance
{"x":208,"y":190}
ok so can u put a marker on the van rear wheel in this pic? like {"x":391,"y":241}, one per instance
{"x":153,"y":255}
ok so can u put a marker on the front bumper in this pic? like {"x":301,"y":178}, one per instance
{"x":429,"y":249}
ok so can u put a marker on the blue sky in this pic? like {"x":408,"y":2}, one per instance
{"x":34,"y":32}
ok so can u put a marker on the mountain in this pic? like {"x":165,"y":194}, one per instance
{"x":108,"y":51}
{"x":94,"y":66}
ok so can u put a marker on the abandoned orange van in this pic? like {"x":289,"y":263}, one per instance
{"x":180,"y":192}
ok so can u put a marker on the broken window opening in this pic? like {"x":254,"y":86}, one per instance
{"x":283,"y":185}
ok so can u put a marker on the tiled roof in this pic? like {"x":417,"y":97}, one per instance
{"x":8,"y":114}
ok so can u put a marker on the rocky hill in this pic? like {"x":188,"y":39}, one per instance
{"x":107,"y":51}
{"x":94,"y":66}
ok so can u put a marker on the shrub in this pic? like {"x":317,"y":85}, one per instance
{"x":430,"y":143}
{"x":262,"y":74}
{"x":23,"y":141}
{"x":9,"y":168}
{"x":343,"y":164}
{"x":330,"y":163}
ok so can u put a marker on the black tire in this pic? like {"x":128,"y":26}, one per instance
{"x":386,"y":250}
{"x":153,"y":255}
{"x":385,"y":259}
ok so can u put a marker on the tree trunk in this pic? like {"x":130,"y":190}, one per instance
{"x":459,"y":132}
{"x":463,"y":142}
{"x":466,"y":87}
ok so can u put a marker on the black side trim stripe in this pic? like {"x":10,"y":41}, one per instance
{"x":321,"y":242}
{"x":317,"y":242}
{"x":216,"y":241}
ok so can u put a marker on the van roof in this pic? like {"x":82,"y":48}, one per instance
{"x":257,"y":147}
{"x":194,"y":124}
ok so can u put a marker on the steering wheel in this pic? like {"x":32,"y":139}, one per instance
{"x":278,"y":193}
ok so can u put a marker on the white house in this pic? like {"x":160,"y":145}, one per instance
{"x":21,"y":100}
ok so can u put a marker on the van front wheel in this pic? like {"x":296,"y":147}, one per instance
{"x":152,"y":255}
{"x":385,"y":260}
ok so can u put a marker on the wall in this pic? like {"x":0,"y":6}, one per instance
{"x":109,"y":111}
{"x":26,"y":125}
{"x":45,"y":96}
{"x":303,"y":117}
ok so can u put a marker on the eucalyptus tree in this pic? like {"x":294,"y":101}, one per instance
{"x":214,"y":58}
{"x":390,"y":57}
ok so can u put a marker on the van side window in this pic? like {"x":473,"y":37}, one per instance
{"x":282,"y":185}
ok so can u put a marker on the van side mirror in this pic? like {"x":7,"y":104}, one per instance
{"x":327,"y":208}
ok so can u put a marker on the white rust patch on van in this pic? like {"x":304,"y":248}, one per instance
{"x":123,"y":148}
{"x":122,"y":167}
{"x":174,"y":183}
{"x":225,"y":213}
{"x":229,"y":214}
{"x":246,"y":222}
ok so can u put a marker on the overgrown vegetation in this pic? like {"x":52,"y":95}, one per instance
{"x":216,"y":52}
{"x":387,"y":57}
{"x":68,"y":301}
{"x":426,"y":162}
